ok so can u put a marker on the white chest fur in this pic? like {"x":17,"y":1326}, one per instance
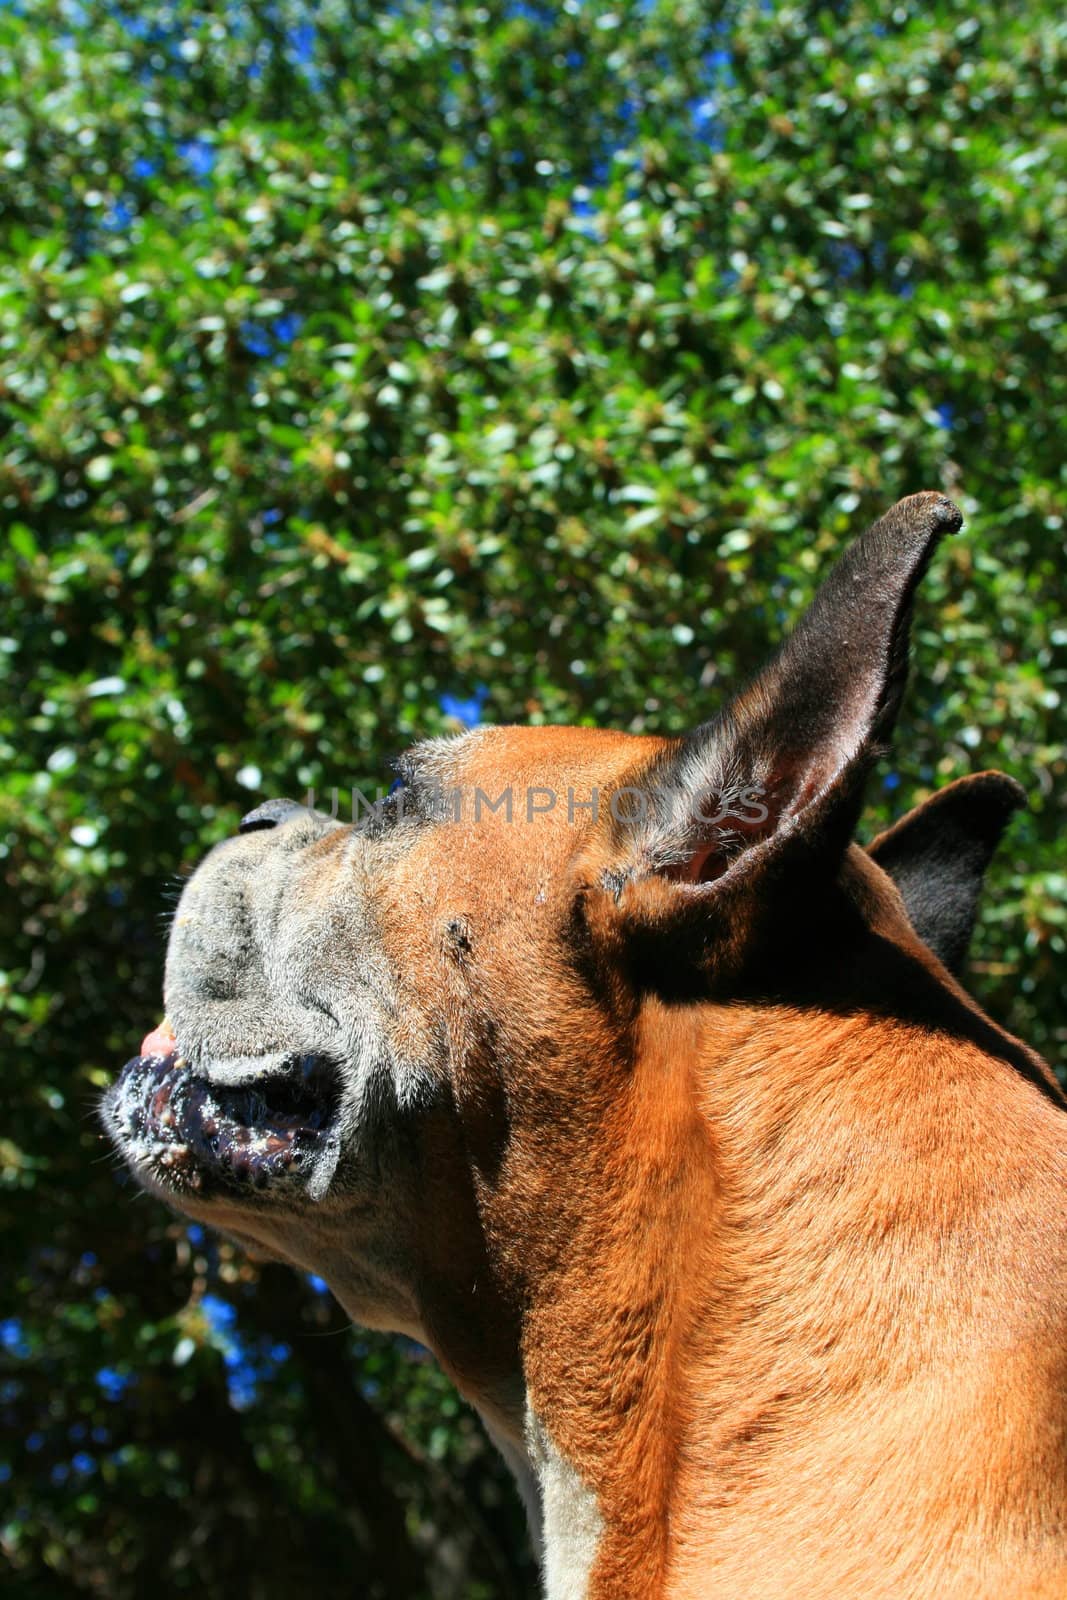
{"x":571,"y":1520}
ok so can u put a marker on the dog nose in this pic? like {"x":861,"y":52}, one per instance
{"x":268,"y":815}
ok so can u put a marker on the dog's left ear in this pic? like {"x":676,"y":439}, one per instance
{"x":938,"y":853}
{"x":770,"y":791}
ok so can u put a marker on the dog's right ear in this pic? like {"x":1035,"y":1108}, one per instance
{"x":738,"y":830}
{"x":938,"y":853}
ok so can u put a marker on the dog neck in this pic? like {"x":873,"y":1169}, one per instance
{"x":713,"y":1262}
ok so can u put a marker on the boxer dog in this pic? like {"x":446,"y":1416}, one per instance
{"x":614,"y":1071}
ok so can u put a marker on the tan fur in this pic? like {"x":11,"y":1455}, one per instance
{"x":676,"y":1143}
{"x":794,"y":1282}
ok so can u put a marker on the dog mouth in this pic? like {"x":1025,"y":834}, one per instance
{"x":194,"y":1135}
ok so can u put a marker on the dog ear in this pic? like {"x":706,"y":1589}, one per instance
{"x":773,"y":785}
{"x":938,"y":853}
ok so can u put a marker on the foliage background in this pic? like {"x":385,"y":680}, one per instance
{"x":368,"y":368}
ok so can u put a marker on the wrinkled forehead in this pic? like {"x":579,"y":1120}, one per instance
{"x":491,"y":817}
{"x":524,"y":759}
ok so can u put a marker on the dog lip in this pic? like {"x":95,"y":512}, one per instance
{"x":192,"y":1133}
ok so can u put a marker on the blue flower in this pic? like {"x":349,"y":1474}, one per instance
{"x":139,"y":27}
{"x":145,"y":167}
{"x":847,"y":260}
{"x":199,"y":157}
{"x":13,"y":1338}
{"x":287,"y":327}
{"x":719,"y":65}
{"x":221,"y":1316}
{"x":469,"y":711}
{"x":114,"y":1384}
{"x":946,"y":415}
{"x":261,"y":339}
{"x":891,"y":780}
{"x":302,"y":43}
{"x":118,"y":219}
{"x":532,"y":13}
{"x":256,"y":339}
{"x":706,"y":124}
{"x":242,"y":1387}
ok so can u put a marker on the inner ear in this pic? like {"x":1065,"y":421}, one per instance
{"x":782,"y":767}
{"x":719,"y":826}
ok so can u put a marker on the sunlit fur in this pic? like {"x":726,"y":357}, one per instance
{"x":794,"y":1277}
{"x":740,"y":1223}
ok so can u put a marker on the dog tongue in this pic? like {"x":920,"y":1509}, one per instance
{"x":160,"y":1042}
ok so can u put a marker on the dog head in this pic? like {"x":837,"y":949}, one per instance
{"x":376,"y":1024}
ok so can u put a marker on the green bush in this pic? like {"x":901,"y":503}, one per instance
{"x":361,"y":366}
